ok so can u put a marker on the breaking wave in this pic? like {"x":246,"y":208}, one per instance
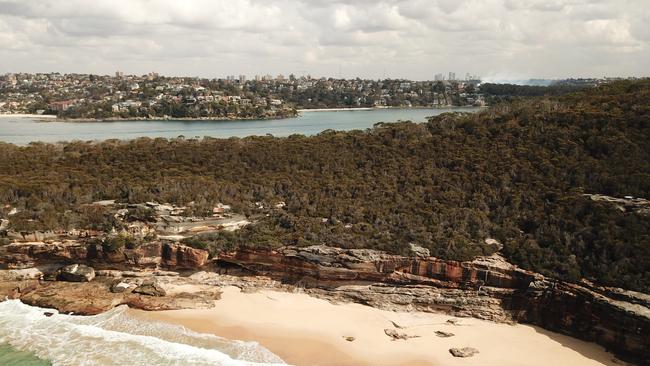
{"x":114,"y":338}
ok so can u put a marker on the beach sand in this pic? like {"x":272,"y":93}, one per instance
{"x":337,"y":109}
{"x":22,"y":115}
{"x":304,"y":330}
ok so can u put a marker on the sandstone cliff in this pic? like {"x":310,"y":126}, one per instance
{"x":155,"y":254}
{"x":487,"y":288}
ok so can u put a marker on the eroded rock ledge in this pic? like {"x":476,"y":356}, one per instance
{"x":160,"y":276}
{"x":487,"y":288}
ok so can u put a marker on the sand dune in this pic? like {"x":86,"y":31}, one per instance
{"x":307,"y":331}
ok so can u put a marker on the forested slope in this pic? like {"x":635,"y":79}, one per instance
{"x":515,"y":172}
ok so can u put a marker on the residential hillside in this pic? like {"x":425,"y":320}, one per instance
{"x":543,"y":180}
{"x":102,"y":97}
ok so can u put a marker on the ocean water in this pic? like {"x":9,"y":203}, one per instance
{"x":12,"y":357}
{"x":22,"y":131}
{"x":28,"y":337}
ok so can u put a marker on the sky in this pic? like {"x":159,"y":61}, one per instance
{"x":413,"y":39}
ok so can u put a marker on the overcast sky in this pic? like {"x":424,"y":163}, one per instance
{"x":496,"y":39}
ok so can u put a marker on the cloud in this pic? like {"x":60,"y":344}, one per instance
{"x":367,"y":38}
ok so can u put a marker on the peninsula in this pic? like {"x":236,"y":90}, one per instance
{"x":532,"y":211}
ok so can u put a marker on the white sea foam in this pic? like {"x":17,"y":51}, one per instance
{"x":114,"y":338}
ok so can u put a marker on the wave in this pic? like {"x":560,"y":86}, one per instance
{"x":114,"y":338}
{"x":12,"y":357}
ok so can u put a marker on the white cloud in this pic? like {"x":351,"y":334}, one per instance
{"x":367,"y":38}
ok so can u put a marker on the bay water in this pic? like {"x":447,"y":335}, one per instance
{"x":22,"y":131}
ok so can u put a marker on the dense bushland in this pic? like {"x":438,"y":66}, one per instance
{"x":515,"y":172}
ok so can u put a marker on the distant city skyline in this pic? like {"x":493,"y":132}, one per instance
{"x":242,"y":78}
{"x":451,"y":76}
{"x":412,"y":39}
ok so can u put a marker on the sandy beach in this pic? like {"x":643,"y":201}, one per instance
{"x":338,"y":109}
{"x":304,"y":330}
{"x":22,"y":115}
{"x":352,"y":109}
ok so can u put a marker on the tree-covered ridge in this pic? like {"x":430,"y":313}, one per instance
{"x":495,"y":93}
{"x":515,"y":172}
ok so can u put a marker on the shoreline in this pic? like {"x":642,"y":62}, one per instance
{"x":146,"y":119}
{"x":54,"y":118}
{"x":337,"y":109}
{"x":26,"y":115}
{"x":304,"y":330}
{"x":382,"y":108}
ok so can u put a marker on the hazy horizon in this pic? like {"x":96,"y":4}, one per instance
{"x":498,"y":40}
{"x":525,"y":81}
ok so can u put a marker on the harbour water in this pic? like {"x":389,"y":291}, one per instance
{"x":29,"y":337}
{"x":22,"y":131}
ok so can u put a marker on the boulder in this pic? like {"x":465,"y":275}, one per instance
{"x":150,"y":288}
{"x":119,"y":287}
{"x":495,"y":243}
{"x":395,"y":335}
{"x":442,"y":334}
{"x":418,"y":251}
{"x":76,"y":273}
{"x":463,"y":352}
{"x":181,"y":256}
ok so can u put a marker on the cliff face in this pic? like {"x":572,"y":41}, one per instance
{"x":487,"y":288}
{"x":155,"y":254}
{"x":124,"y":276}
{"x":328,"y":264}
{"x":620,"y":322}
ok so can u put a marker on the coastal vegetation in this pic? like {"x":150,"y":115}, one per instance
{"x":515,"y":173}
{"x":495,"y":93}
{"x":179,"y":109}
